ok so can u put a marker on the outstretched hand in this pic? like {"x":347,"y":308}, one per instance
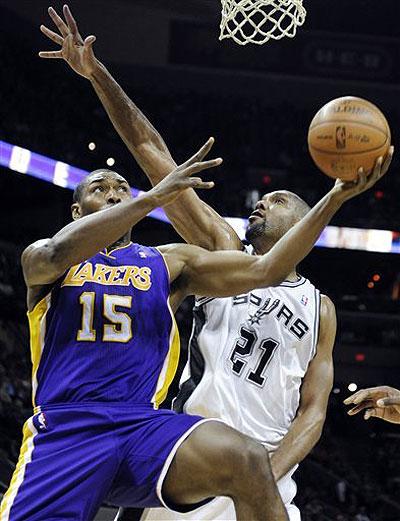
{"x":182,"y":177}
{"x":75,"y":50}
{"x":382,"y":402}
{"x":348,"y":189}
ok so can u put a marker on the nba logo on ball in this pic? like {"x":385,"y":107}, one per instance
{"x":340,"y":137}
{"x":304,"y":300}
{"x":347,"y":134}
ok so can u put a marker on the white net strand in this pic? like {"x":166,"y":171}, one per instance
{"x":257,"y":21}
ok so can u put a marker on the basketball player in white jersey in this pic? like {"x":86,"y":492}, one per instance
{"x":260,"y":361}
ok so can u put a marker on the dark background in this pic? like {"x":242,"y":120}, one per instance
{"x":257,"y":102}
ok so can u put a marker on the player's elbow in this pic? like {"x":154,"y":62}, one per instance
{"x":43,"y":262}
{"x":314,"y":422}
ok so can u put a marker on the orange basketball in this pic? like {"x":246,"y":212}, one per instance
{"x":346,"y":134}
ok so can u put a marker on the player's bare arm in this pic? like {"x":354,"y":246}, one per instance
{"x":194,"y":220}
{"x":225,"y":273}
{"x":380,"y":402}
{"x":306,"y":428}
{"x":46,"y":260}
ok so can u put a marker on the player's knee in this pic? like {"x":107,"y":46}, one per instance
{"x":247,"y":466}
{"x":256,"y":460}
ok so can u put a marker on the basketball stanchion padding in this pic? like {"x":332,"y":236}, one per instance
{"x":257,"y":21}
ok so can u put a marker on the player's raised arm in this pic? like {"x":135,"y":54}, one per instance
{"x":194,"y":220}
{"x":45,"y":261}
{"x":222,"y":274}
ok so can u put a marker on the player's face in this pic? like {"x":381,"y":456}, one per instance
{"x":273,"y":216}
{"x":102,"y":190}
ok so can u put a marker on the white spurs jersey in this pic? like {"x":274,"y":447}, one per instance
{"x":248,"y":356}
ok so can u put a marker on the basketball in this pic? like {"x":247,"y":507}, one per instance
{"x":346,"y":134}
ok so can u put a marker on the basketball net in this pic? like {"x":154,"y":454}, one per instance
{"x":257,"y":21}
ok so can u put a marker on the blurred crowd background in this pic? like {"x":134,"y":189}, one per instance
{"x":258,"y":104}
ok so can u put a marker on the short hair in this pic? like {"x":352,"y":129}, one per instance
{"x":78,"y":191}
{"x":76,"y":196}
{"x":302,"y":208}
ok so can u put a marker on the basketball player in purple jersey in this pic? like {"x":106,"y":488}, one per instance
{"x":104,"y":349}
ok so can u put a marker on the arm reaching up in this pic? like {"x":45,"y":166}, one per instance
{"x":226,"y":273}
{"x":45,"y":261}
{"x":193,"y":219}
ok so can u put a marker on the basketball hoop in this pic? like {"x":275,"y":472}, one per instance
{"x":257,"y":21}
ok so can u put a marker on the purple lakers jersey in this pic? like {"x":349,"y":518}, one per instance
{"x":106,"y":332}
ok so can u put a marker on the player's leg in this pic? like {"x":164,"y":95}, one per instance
{"x":65,"y":468}
{"x":216,"y":460}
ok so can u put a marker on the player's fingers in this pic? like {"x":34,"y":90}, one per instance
{"x":70,"y":20}
{"x":204,"y":150}
{"x":205,"y":185}
{"x":376,"y":172}
{"x":194,"y":182}
{"x":50,"y":54}
{"x":358,"y":397}
{"x":388,"y":160}
{"x":56,"y":38}
{"x":61,"y":25}
{"x":385,"y":402}
{"x":198,"y":167}
{"x":88,"y":43}
{"x":362,"y":178}
{"x":201,"y":153}
{"x":360,"y":407}
{"x":373,"y":411}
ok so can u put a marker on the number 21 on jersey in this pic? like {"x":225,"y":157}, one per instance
{"x":244,"y":348}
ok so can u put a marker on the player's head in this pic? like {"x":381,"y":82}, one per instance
{"x":98,"y":190}
{"x":273,"y":216}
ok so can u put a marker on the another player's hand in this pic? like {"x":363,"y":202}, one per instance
{"x":75,"y":50}
{"x":382,"y":402}
{"x":344,"y":190}
{"x":181,"y":178}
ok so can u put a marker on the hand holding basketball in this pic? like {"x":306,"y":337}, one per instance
{"x":349,"y":189}
{"x":347,"y":134}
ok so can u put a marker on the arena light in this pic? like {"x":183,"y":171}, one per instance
{"x":26,"y":162}
{"x":92,"y":146}
{"x":110,"y":161}
{"x":56,"y":172}
{"x":352,"y":387}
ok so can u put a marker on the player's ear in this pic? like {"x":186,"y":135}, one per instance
{"x":76,"y":211}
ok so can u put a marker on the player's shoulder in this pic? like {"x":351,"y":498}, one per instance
{"x":327,"y":316}
{"x":327,"y":305}
{"x":181,"y":250}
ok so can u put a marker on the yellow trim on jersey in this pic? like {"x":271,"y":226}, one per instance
{"x":108,"y":253}
{"x":25,"y":457}
{"x":170,"y":365}
{"x":37,"y":327}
